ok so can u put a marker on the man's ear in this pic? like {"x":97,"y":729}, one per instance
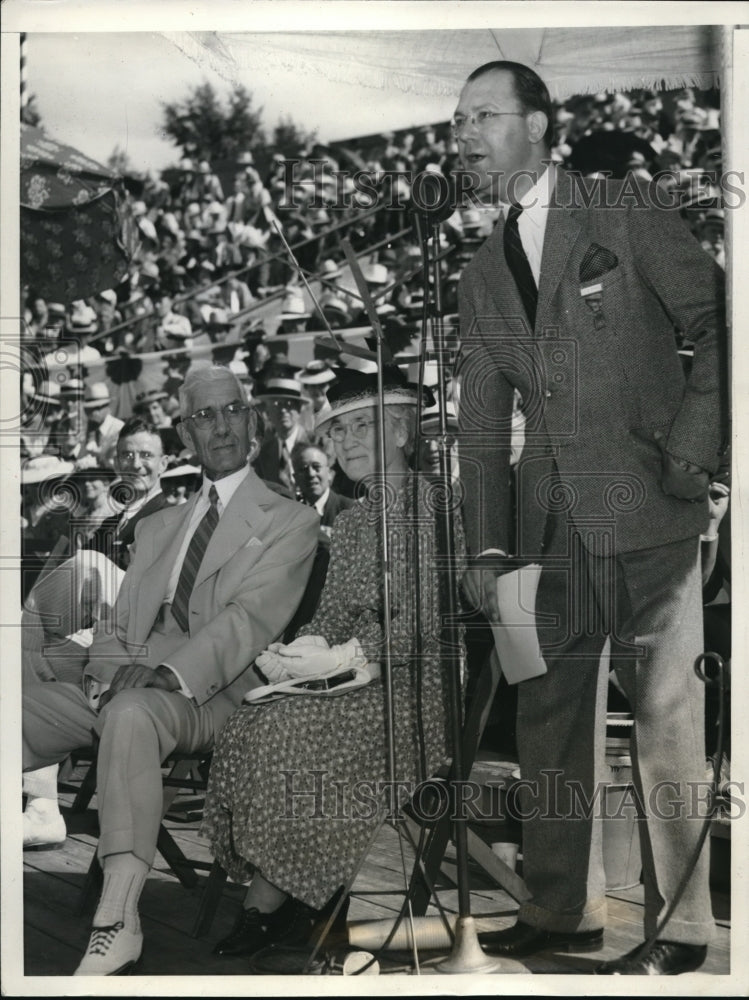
{"x":537,"y":124}
{"x":184,"y":435}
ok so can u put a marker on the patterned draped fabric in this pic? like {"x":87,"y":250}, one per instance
{"x":77,"y":234}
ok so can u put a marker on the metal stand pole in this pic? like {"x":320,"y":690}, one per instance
{"x":467,"y":955}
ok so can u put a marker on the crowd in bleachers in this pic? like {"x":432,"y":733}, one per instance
{"x":212,"y":280}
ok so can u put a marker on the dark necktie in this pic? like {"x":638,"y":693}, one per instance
{"x":193,"y":559}
{"x":517,"y":262}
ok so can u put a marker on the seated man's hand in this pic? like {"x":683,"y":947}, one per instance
{"x":138,"y":675}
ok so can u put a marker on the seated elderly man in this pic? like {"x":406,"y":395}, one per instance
{"x":210,"y":583}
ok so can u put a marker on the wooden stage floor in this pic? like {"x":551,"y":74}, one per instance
{"x":55,"y":933}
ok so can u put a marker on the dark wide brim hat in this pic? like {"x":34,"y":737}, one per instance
{"x":356,"y":390}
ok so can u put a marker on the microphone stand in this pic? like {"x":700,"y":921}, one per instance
{"x":382,"y":352}
{"x":467,"y":955}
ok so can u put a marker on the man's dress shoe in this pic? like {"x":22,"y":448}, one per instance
{"x":112,"y":951}
{"x":523,"y":939}
{"x":665,"y":958}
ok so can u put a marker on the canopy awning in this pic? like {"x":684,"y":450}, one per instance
{"x":425,"y":62}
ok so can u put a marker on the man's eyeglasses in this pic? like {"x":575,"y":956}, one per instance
{"x":130,"y":456}
{"x":233,"y":414}
{"x":479,"y":119}
{"x":359,"y":428}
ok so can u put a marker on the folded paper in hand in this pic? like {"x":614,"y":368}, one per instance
{"x":516,"y":638}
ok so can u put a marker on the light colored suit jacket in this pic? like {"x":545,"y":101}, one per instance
{"x":249,"y":584}
{"x":600,"y":375}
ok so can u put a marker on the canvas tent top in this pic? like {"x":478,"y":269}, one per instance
{"x":570,"y":60}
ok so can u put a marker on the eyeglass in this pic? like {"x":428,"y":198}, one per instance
{"x":205,"y":418}
{"x":479,"y":119}
{"x":130,"y":456}
{"x":359,"y":428}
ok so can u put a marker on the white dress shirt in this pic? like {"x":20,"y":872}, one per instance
{"x":532,"y":220}
{"x":319,"y":504}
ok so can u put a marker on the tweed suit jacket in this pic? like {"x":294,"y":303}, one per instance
{"x":599,"y":374}
{"x":250,"y":582}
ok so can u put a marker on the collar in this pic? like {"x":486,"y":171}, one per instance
{"x":290,"y":441}
{"x":536,"y":200}
{"x":226,"y":487}
{"x":319,"y":504}
{"x":140,"y":503}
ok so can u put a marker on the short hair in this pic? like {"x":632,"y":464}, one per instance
{"x":301,"y":446}
{"x":530,"y":90}
{"x":205,"y":376}
{"x":138,"y":425}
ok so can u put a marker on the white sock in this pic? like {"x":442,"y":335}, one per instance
{"x":124,"y":878}
{"x":47,"y":809}
{"x":41,"y":785}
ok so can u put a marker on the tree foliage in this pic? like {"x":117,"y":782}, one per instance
{"x":205,"y":127}
{"x":289,"y":139}
{"x":119,"y":161}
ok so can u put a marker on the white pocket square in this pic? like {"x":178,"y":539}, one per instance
{"x":252,"y":541}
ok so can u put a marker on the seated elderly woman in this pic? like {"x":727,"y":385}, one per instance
{"x":298,"y":784}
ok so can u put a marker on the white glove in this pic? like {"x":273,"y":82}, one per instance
{"x":311,"y":656}
{"x":272,"y":667}
{"x":275,"y":667}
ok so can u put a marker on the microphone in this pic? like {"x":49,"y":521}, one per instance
{"x":432,"y":201}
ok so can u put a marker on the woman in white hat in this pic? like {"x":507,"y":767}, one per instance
{"x":299,"y":861}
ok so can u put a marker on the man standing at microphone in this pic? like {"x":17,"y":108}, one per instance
{"x":573,"y":301}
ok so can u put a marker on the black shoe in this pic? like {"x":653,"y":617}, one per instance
{"x":293,"y":923}
{"x":522,"y":939}
{"x":249,"y":934}
{"x":666,"y":958}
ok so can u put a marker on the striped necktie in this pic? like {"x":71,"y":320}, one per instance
{"x":517,"y":261}
{"x":286,"y":468}
{"x":193,"y":559}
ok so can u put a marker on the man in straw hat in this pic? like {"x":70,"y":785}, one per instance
{"x":282,"y":398}
{"x":103,"y":428}
{"x":294,"y":312}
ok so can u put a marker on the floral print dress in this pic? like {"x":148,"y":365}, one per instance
{"x":298,"y":785}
